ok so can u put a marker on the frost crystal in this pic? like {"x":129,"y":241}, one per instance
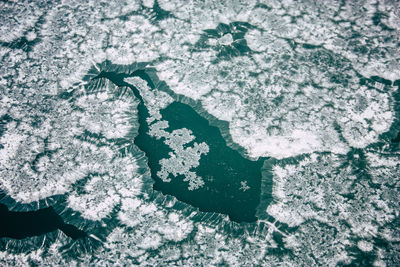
{"x":183,"y":158}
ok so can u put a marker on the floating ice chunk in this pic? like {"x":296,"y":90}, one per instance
{"x":243,"y":186}
{"x":182,"y":159}
{"x":157,"y":129}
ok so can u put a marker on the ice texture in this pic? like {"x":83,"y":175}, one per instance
{"x":155,"y":100}
{"x":291,"y":85}
{"x":184,"y":158}
{"x":103,"y":192}
{"x":324,"y":191}
{"x":291,"y":78}
{"x":43,"y":158}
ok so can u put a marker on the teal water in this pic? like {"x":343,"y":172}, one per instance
{"x":232,"y":182}
{"x":223,"y":168}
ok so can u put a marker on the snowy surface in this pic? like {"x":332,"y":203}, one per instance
{"x":287,"y":76}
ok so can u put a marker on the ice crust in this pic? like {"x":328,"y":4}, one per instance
{"x":41,"y":150}
{"x":279,"y":112}
{"x":294,"y":88}
{"x":261,"y":88}
{"x":14,"y":25}
{"x":323,"y":191}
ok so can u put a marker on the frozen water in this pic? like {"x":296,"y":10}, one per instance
{"x":309,"y":87}
{"x":182,"y":159}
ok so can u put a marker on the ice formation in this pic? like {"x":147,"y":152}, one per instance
{"x":155,"y":100}
{"x":43,"y":158}
{"x":337,"y":194}
{"x":294,"y":80}
{"x":183,"y":158}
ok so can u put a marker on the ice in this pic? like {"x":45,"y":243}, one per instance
{"x":226,"y":39}
{"x":265,"y":42}
{"x":176,"y":229}
{"x":30,"y":36}
{"x":356,"y":135}
{"x":17,"y":18}
{"x":118,"y":180}
{"x":184,"y":158}
{"x":114,"y":9}
{"x":106,"y":115}
{"x":155,"y":100}
{"x":11,"y":142}
{"x":52,"y":168}
{"x":313,"y":110}
{"x":227,"y":101}
{"x":148,"y":3}
{"x":298,"y":90}
{"x":152,"y":225}
{"x":316,"y":244}
{"x":365,"y":245}
{"x":91,"y":207}
{"x":316,"y":189}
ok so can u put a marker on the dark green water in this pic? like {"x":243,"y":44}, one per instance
{"x":21,"y":225}
{"x":224,"y":170}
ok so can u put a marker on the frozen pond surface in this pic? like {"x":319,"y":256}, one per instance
{"x":240,"y":133}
